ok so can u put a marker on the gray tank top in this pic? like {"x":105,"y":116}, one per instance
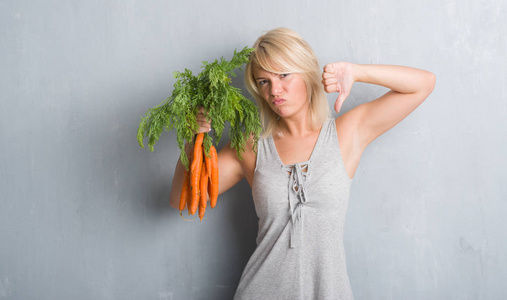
{"x":301,"y":210}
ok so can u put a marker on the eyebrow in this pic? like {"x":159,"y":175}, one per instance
{"x":263,"y":77}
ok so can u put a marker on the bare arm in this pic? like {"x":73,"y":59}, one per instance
{"x":409,"y":88}
{"x":357,"y":128}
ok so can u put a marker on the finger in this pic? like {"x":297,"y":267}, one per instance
{"x":338,"y":104}
{"x":329,"y":68}
{"x":203,"y":127}
{"x":327,"y":75}
{"x":201,"y":116}
{"x":331,"y":80}
{"x":330,"y":88}
{"x":202,"y":113}
{"x":203,"y":121}
{"x":339,"y":101}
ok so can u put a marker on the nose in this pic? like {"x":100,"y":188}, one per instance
{"x":276,"y":87}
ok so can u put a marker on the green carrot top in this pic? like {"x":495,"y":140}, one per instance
{"x":222,"y":102}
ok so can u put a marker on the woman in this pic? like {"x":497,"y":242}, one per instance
{"x":302,"y":169}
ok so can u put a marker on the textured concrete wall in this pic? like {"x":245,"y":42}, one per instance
{"x":84,"y":210}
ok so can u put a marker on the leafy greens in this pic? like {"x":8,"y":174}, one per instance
{"x":212,"y":90}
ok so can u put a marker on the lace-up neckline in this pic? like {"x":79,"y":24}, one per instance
{"x":298,"y":174}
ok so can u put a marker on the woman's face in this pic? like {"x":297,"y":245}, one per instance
{"x":285,"y":93}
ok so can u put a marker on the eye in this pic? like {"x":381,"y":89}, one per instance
{"x":284,"y":75}
{"x":262,"y":82}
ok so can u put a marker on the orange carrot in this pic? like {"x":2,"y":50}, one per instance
{"x":195,"y":174}
{"x":203,"y":191}
{"x":208,"y":162}
{"x":214,"y":177}
{"x":185,"y":191}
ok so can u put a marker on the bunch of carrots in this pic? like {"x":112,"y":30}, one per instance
{"x":200,"y":180}
{"x":211,"y":89}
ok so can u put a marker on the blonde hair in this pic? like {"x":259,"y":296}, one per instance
{"x":280,"y":51}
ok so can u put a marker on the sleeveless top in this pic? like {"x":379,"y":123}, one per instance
{"x":301,"y":209}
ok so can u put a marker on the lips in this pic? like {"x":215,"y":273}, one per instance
{"x":278,"y":101}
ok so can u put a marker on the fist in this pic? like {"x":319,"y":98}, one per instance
{"x":338,"y":77}
{"x":203,"y":121}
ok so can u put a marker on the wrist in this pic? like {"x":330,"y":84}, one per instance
{"x":358,"y":72}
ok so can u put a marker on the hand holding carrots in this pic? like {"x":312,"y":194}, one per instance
{"x":203,"y":121}
{"x":202,"y":178}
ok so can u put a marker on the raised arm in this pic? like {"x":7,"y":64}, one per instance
{"x":409,"y":88}
{"x":357,"y":128}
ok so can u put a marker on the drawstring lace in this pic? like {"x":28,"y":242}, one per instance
{"x":297,"y":196}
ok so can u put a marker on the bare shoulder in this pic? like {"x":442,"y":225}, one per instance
{"x":233,"y":168}
{"x":249,"y":158}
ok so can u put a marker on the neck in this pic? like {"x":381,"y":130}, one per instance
{"x":294,"y":126}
